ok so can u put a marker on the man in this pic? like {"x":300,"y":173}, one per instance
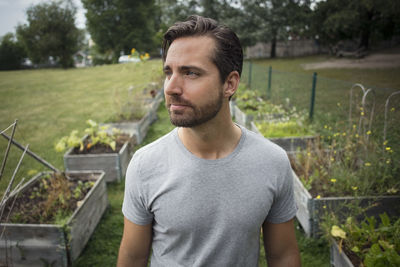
{"x":200,"y":195}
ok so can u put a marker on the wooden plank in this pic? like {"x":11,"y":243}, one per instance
{"x":302,"y":198}
{"x":86,"y":217}
{"x":33,"y":245}
{"x":338,"y":258}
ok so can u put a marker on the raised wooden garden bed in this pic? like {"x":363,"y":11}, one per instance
{"x":138,"y":129}
{"x":311,"y":210}
{"x":50,"y":244}
{"x":114,"y":165}
{"x":289,"y":144}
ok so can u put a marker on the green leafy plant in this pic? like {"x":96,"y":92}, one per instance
{"x":96,"y":135}
{"x":285,"y":127}
{"x":373,"y":244}
{"x":252,"y":103}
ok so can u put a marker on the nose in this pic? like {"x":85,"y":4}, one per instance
{"x":173,"y":85}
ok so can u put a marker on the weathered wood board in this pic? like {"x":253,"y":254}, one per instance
{"x":338,"y":258}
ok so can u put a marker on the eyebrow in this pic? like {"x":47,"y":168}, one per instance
{"x":184,"y":68}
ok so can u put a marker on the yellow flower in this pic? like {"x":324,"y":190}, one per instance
{"x":308,"y":154}
{"x":354,"y":126}
{"x":369,"y":132}
{"x":354,"y":188}
{"x":318,"y":197}
{"x":337,"y":232}
{"x":392,"y":109}
{"x":388,"y":148}
{"x":367,"y":164}
{"x":392,"y":190}
{"x":147,"y":55}
{"x":325,"y":126}
{"x":357,"y":135}
{"x":388,"y":161}
{"x":362,"y":113}
{"x":361,"y":108}
{"x":133,"y":50}
{"x":344,"y":134}
{"x":338,"y":104}
{"x":385,"y":143}
{"x":324,"y":206}
{"x":333,"y":180}
{"x":332,"y":159}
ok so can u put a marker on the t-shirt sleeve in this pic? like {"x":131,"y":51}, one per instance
{"x":134,"y":206}
{"x":284,"y":207}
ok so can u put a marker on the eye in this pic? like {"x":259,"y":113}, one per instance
{"x":191,"y":73}
{"x":167,"y":73}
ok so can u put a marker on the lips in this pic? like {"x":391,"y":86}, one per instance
{"x":177,"y":107}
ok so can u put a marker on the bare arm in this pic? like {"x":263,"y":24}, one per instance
{"x":135,"y":245}
{"x":281,"y":245}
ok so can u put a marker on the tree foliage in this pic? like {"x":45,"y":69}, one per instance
{"x":273,"y":20}
{"x":365,"y":21}
{"x":12,"y":53}
{"x":120,"y":25}
{"x":51,"y":32}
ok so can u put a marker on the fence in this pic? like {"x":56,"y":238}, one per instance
{"x":325,"y":100}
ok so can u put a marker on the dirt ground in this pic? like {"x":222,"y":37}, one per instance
{"x":385,"y":59}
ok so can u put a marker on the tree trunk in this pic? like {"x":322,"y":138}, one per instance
{"x":366,"y":31}
{"x":273,"y":47}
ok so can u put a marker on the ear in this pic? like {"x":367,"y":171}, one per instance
{"x":231,"y":83}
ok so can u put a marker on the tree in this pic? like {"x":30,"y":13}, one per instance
{"x":12,"y":53}
{"x":51,"y":32}
{"x":273,"y":20}
{"x":364,"y":21}
{"x":120,"y":25}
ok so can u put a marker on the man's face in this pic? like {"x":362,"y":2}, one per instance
{"x":193,"y":89}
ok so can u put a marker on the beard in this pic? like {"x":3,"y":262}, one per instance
{"x":193,"y":115}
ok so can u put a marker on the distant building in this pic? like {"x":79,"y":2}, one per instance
{"x":82,"y":59}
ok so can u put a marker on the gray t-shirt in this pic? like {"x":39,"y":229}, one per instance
{"x":208,"y":212}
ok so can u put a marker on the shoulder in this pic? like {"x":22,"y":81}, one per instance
{"x":151,"y":155}
{"x":156,"y":148}
{"x":265,"y":149}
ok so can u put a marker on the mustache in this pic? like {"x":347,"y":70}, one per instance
{"x":177,"y":100}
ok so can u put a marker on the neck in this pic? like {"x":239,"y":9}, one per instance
{"x":214,"y":139}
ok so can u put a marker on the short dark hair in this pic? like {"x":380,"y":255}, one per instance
{"x":228,"y":54}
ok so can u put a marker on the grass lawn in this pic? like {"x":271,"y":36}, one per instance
{"x":51,"y":103}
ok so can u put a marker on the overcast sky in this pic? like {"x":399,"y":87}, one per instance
{"x":13,"y":12}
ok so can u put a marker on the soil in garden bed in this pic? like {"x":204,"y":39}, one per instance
{"x":101,"y":148}
{"x":49,"y":200}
